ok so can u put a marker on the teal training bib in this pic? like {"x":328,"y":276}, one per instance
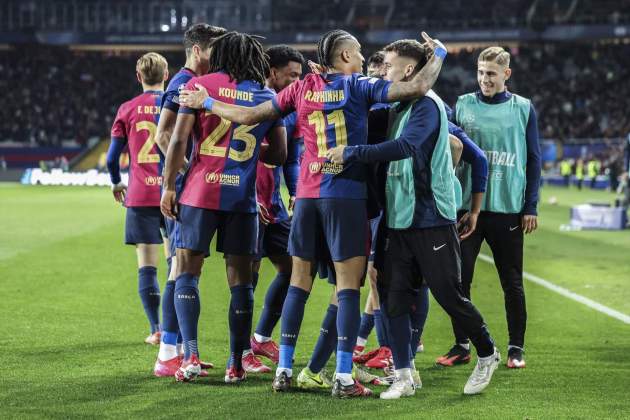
{"x":499,"y":130}
{"x":400,"y":188}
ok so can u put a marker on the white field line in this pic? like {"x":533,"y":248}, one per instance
{"x":568,"y":294}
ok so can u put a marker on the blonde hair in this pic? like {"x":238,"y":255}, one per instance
{"x":152,"y":68}
{"x":495,"y":54}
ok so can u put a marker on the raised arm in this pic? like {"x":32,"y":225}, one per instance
{"x":424,"y":80}
{"x":175,"y":157}
{"x":198,"y":99}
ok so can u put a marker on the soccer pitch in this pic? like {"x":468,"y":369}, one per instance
{"x":72,"y":326}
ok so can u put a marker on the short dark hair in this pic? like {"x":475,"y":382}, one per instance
{"x":376,"y":59}
{"x":201,"y":34}
{"x":327,"y":45}
{"x":409,"y":48}
{"x":241,"y":56}
{"x":281,"y":55}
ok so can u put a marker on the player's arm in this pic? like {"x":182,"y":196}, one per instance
{"x":175,"y":157}
{"x":165,"y":127}
{"x":291,"y":167}
{"x":423,"y":122}
{"x":119,"y":189}
{"x":532,"y":173}
{"x":276,"y":152}
{"x":424,"y":80}
{"x":457,"y":149}
{"x":198,"y":99}
{"x":476,"y":158}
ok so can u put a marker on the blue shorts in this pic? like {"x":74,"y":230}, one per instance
{"x":336,"y":223}
{"x":273,"y":239}
{"x":237,"y":232}
{"x":142,"y":225}
{"x":171,"y":229}
{"x":373,"y":231}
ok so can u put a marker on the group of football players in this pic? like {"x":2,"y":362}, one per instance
{"x":386,"y":182}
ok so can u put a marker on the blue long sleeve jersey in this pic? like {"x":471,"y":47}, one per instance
{"x":418,"y":141}
{"x":291,"y":167}
{"x":534,"y":161}
{"x":113,"y":158}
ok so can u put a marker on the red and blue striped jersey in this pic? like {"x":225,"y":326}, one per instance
{"x":331,"y":110}
{"x":222,"y":175}
{"x":268,"y":176}
{"x":170,"y":99}
{"x":136,"y":122}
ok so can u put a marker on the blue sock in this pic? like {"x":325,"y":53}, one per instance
{"x":292,"y":315}
{"x":399,"y":330}
{"x":170,"y":327}
{"x":418,"y":318}
{"x":367,"y":323}
{"x":381,"y":330}
{"x":188,"y":307}
{"x":348,"y":319}
{"x":240,"y":320}
{"x":254,"y":280}
{"x":326,"y":342}
{"x":272,"y":309}
{"x":149,"y":291}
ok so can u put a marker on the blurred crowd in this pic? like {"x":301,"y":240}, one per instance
{"x":579,"y":90}
{"x":54,"y":94}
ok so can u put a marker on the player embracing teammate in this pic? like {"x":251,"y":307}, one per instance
{"x":330,"y":209}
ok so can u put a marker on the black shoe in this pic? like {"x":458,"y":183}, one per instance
{"x":515,"y":358}
{"x":281,"y":383}
{"x":457,"y":355}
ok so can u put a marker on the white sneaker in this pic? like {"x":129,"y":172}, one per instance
{"x":400,"y":388}
{"x":482,"y":374}
{"x":415,"y":376}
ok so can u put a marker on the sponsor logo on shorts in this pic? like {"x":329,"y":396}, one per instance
{"x":285,"y":335}
{"x":190,"y":297}
{"x":342,"y":338}
{"x":512,"y":229}
{"x":153,"y":180}
{"x":437,"y":248}
{"x":223,"y":179}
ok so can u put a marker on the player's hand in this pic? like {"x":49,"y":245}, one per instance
{"x":372,"y":273}
{"x":432,"y":44}
{"x":263,"y":214}
{"x":529,"y":223}
{"x":168,"y":204}
{"x":467,"y":225}
{"x":315,"y":67}
{"x":335,"y":155}
{"x":120,"y":192}
{"x":291,"y":203}
{"x":193,"y":98}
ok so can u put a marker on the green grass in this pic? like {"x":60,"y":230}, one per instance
{"x":72,"y":327}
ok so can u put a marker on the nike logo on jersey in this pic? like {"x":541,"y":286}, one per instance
{"x":439,"y":247}
{"x":512,"y":229}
